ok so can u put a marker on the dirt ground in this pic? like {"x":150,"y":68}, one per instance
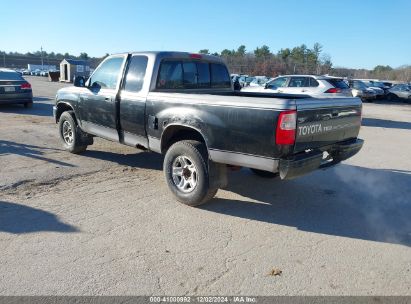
{"x":104,"y":223}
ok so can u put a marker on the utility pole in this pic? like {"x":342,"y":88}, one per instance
{"x":42,"y":63}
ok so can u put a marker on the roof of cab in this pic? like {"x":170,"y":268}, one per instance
{"x":174,"y":54}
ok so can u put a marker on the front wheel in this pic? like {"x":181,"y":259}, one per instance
{"x":186,"y":172}
{"x":70,"y":133}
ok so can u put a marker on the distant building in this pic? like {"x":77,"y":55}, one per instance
{"x":70,"y":68}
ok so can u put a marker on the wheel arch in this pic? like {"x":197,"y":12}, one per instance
{"x":62,"y":107}
{"x":176,"y":132}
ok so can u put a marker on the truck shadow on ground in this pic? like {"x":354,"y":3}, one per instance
{"x":145,"y":160}
{"x":19,"y":219}
{"x":383,"y":123}
{"x":347,"y":201}
{"x":36,"y":152}
{"x":40,"y":108}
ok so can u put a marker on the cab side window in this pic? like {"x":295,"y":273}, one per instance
{"x":108,"y":74}
{"x":135,"y":74}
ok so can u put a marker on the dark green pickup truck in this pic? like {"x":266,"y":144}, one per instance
{"x":182,"y":105}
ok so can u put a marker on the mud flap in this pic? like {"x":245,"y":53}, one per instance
{"x":217,"y":175}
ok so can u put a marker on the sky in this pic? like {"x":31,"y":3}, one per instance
{"x":356,"y":34}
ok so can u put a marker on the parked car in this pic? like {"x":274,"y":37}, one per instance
{"x":182,"y":105}
{"x":36,"y":72}
{"x":315,"y":86}
{"x":400,"y":91}
{"x":380,"y":84}
{"x":379,"y":91}
{"x":359,"y":89}
{"x":245,"y":80}
{"x":14,"y":89}
{"x":259,"y":81}
{"x":44,"y":73}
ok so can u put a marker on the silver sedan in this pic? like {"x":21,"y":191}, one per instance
{"x":400,"y":91}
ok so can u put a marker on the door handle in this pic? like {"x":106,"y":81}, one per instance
{"x":107,"y":98}
{"x":279,"y":91}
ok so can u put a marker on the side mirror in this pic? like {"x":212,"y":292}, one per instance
{"x":79,"y":81}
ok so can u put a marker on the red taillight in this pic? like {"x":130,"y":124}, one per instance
{"x":286,"y":125}
{"x":25,"y":86}
{"x":333,"y":90}
{"x":196,"y":56}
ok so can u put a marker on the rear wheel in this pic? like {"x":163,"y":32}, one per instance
{"x":186,"y":172}
{"x":265,"y":174}
{"x":71,"y":134}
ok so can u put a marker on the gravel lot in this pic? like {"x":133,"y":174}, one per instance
{"x":104,"y":223}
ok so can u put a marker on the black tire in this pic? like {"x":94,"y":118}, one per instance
{"x":73,"y":142}
{"x":193,"y":153}
{"x":28,"y":105}
{"x":265,"y":174}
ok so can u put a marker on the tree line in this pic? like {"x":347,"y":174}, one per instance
{"x":20,"y":60}
{"x":262,"y":61}
{"x":44,"y":54}
{"x":300,"y":60}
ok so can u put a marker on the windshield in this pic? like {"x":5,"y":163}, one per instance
{"x":359,"y":85}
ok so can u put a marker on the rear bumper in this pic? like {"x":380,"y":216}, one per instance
{"x":301,"y":164}
{"x":16,"y":98}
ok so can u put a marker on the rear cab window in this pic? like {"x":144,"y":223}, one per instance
{"x":192,"y":74}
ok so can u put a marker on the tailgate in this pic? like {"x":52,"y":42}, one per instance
{"x":322,"y":122}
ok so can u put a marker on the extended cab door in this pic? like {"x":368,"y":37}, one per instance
{"x":97,"y":102}
{"x":133,"y":102}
